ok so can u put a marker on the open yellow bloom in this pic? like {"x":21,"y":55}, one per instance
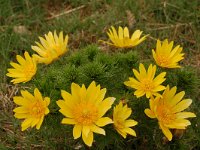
{"x":51,"y":47}
{"x":168,"y":110}
{"x":24,"y":71}
{"x":84,"y":108}
{"x":121,"y":124}
{"x":167,"y":57}
{"x":146,"y":83}
{"x":32,"y":108}
{"x":122,"y":39}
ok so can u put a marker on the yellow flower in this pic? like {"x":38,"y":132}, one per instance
{"x":146,"y":83}
{"x":167,"y":57}
{"x":51,"y":47}
{"x":32,"y":108}
{"x":84,"y":108}
{"x":168,"y":110}
{"x":24,"y":71}
{"x":121,"y":124}
{"x":122,"y":39}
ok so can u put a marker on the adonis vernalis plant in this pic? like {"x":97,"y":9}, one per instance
{"x":51,"y":47}
{"x":167,"y":57}
{"x":24,"y":71}
{"x":121,"y":122}
{"x":85,"y":108}
{"x":146,"y":83}
{"x":32,"y":108}
{"x":168,"y":109}
{"x":122,"y":39}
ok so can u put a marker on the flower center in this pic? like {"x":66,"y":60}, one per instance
{"x":29,"y":71}
{"x":85,"y":113}
{"x":119,"y":123}
{"x":57,"y":49}
{"x":147,"y":85}
{"x":37,"y":110}
{"x":162,"y":60}
{"x":165,"y":115}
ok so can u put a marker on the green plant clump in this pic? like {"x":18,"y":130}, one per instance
{"x":110,"y":70}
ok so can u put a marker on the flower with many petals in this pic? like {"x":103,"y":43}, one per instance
{"x":168,"y":109}
{"x":85,"y":108}
{"x":167,"y":57}
{"x":32,"y":108}
{"x":146,"y":82}
{"x":121,"y":124}
{"x":122,"y":39}
{"x":51,"y":47}
{"x":24,"y":71}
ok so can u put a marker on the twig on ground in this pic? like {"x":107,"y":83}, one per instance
{"x":66,"y":12}
{"x":153,"y":38}
{"x":170,"y":26}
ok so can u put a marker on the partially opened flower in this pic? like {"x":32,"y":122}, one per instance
{"x":168,"y":109}
{"x":167,"y":57}
{"x":122,"y":39}
{"x":51,"y":47}
{"x":85,"y":108}
{"x":24,"y":71}
{"x":146,"y":82}
{"x":121,"y":122}
{"x":32,"y":108}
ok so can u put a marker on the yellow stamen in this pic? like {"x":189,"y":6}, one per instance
{"x":37,"y":110}
{"x":162,"y":60}
{"x":147,"y":85}
{"x":85,"y":113}
{"x":165,"y":115}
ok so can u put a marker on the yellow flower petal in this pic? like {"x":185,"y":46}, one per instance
{"x":38,"y":94}
{"x":34,"y":122}
{"x":88,"y":140}
{"x":77,"y":131}
{"x":149,"y":113}
{"x":21,"y":101}
{"x":130,"y":123}
{"x":105,"y":105}
{"x":39,"y":123}
{"x":68,"y":121}
{"x":21,"y":115}
{"x":103,"y":121}
{"x":26,"y":123}
{"x":98,"y":130}
{"x":185,"y":115}
{"x":129,"y":131}
{"x":21,"y":110}
{"x":86,"y":130}
{"x":182,"y":105}
{"x":65,"y":110}
{"x":166,"y":132}
{"x":177,"y":98}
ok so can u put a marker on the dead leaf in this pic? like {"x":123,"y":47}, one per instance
{"x":21,"y":30}
{"x":130,"y":18}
